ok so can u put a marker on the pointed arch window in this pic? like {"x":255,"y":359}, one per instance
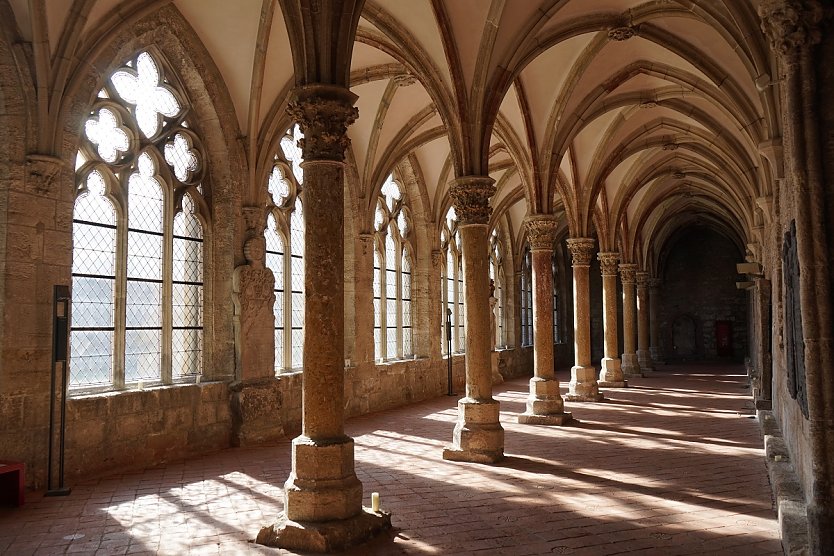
{"x":138,"y":221}
{"x":527,"y":298}
{"x":392,"y":274}
{"x":284,"y":235}
{"x":452,"y":282}
{"x":496,"y":274}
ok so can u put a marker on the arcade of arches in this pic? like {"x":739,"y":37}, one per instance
{"x":275,"y":214}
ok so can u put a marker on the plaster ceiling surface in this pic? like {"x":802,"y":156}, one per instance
{"x":699,"y":59}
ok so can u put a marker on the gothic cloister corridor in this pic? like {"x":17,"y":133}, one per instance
{"x":671,"y":465}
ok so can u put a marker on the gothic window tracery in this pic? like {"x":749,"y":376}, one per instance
{"x":452,"y":282}
{"x":392,"y":274}
{"x":284,"y":235}
{"x":527,"y":298}
{"x":496,"y":274}
{"x":138,"y":221}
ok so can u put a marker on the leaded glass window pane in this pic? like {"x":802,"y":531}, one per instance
{"x":406,"y":304}
{"x":275,"y":262}
{"x":187,"y":292}
{"x":297,"y":278}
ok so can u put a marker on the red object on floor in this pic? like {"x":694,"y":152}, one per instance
{"x":12,"y":481}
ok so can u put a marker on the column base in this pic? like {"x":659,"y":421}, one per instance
{"x":657,"y":356}
{"x":497,"y":378}
{"x":644,"y":359}
{"x":611,"y":375}
{"x":630,"y":366}
{"x":322,"y":485}
{"x":478,"y":436}
{"x":326,"y":536}
{"x":544,"y":405}
{"x":583,"y":385}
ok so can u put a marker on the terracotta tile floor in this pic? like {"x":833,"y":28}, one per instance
{"x":672,"y":465}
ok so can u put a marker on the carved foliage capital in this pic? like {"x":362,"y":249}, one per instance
{"x":628,"y":273}
{"x":581,"y":250}
{"x":470,"y":196}
{"x":655,"y":283}
{"x":608,"y":263}
{"x":791,"y":24}
{"x":324,"y":114}
{"x":623,"y":33}
{"x":541,"y":231}
{"x":642,"y":279}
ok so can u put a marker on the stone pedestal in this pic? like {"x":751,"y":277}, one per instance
{"x":644,"y":358}
{"x":583,"y":383}
{"x":544,"y":404}
{"x":327,"y":536}
{"x":478,"y":436}
{"x":629,"y":363}
{"x":611,"y":374}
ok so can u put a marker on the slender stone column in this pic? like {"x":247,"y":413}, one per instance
{"x":644,"y":357}
{"x":322,"y":485}
{"x":583,"y":381}
{"x":478,"y":435}
{"x":654,"y":322}
{"x":544,"y":405}
{"x":611,"y":375}
{"x":630,"y":365}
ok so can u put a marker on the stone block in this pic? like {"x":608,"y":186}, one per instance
{"x":331,"y":536}
{"x":131,"y":426}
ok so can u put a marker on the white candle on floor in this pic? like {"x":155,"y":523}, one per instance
{"x":375,"y":502}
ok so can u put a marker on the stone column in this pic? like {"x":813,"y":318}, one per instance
{"x":611,"y":375}
{"x":630,"y":365}
{"x":478,"y":435}
{"x":654,"y":323}
{"x":322,"y":486}
{"x":644,"y":357}
{"x":583,"y":381}
{"x":544,"y":404}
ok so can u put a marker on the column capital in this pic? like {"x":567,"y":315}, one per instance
{"x":642,"y":278}
{"x":324,"y":113}
{"x":628,"y":273}
{"x":541,"y":231}
{"x":655,"y":282}
{"x":581,"y":250}
{"x":791,"y":25}
{"x":608,"y":263}
{"x":470,"y":196}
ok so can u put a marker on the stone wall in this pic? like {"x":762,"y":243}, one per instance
{"x":699,"y":289}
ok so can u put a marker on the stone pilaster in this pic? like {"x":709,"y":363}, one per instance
{"x":654,"y":322}
{"x":478,"y":435}
{"x":583,"y":381}
{"x":629,"y":364}
{"x":611,"y":374}
{"x":544,"y":404}
{"x":644,"y":357}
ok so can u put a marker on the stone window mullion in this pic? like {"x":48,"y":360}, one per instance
{"x":167,"y":285}
{"x":120,"y":296}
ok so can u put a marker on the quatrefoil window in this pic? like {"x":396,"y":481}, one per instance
{"x":182,"y":157}
{"x":108,"y":135}
{"x":142,"y":88}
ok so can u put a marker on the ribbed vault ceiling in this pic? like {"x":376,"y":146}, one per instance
{"x":627,"y":118}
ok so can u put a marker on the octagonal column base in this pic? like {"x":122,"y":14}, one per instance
{"x":544,"y":405}
{"x":478,"y":436}
{"x":611,"y":375}
{"x":644,"y":359}
{"x":583,"y":385}
{"x":322,"y":485}
{"x":324,"y":536}
{"x":630,"y":365}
